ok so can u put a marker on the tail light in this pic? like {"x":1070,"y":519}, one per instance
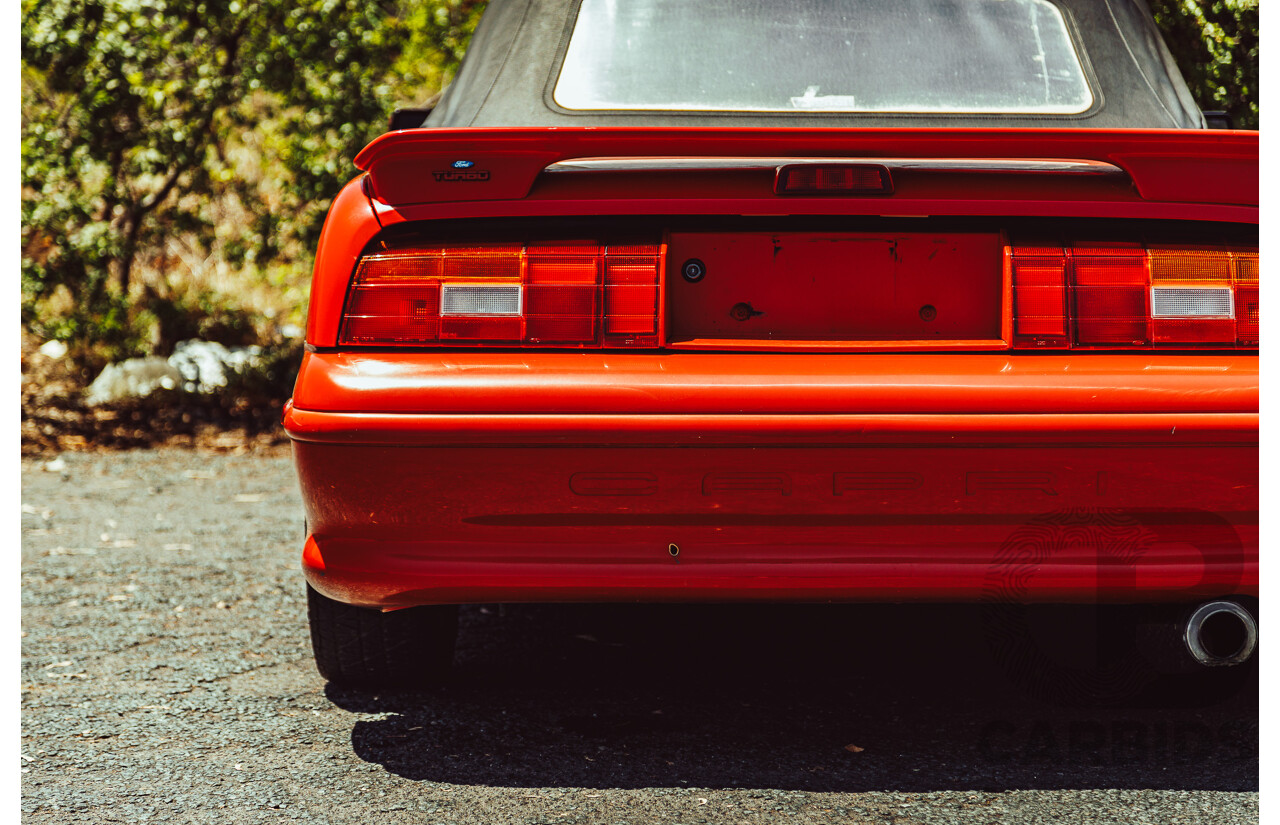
{"x":567,"y":294}
{"x":1130,"y":296}
{"x":833,"y":179}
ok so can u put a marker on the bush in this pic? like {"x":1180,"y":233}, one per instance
{"x":1216,"y":45}
{"x":147,"y":123}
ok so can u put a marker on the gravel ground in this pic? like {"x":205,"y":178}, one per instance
{"x":166,"y":675}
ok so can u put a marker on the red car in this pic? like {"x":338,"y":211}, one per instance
{"x":669,"y":301}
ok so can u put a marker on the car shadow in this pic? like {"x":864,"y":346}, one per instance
{"x":810,"y":697}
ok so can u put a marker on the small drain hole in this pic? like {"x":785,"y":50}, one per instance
{"x":673,"y":550}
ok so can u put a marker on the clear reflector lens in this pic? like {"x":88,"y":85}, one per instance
{"x":1189,"y":302}
{"x":479,"y":300}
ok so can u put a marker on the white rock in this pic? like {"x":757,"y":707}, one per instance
{"x":55,"y":466}
{"x":134,"y":378}
{"x":205,"y":365}
{"x":53,"y":349}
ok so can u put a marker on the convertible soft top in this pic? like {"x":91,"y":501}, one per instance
{"x":525,"y":68}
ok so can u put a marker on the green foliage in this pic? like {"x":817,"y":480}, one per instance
{"x":1216,"y":45}
{"x":438,"y":37}
{"x":138,"y":117}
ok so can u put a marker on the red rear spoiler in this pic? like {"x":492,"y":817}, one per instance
{"x":440,"y":165}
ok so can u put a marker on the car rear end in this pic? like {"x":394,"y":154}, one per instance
{"x":656,"y":364}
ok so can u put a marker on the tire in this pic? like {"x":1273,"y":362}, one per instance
{"x":360,"y":647}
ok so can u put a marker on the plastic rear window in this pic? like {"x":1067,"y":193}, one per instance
{"x":885,"y":56}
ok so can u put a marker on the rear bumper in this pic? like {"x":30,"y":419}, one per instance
{"x":453,"y":505}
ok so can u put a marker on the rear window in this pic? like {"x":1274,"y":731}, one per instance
{"x":907,"y":56}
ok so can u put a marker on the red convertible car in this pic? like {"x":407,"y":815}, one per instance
{"x":830,"y":301}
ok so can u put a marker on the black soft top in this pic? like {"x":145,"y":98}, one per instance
{"x":514,"y":60}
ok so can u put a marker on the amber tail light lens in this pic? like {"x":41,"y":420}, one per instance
{"x":1129,"y":296}
{"x":567,"y":294}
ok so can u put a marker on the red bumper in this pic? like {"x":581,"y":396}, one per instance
{"x":710,"y":477}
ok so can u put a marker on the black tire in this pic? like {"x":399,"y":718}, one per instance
{"x":359,"y":647}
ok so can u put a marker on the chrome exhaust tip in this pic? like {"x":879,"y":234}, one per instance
{"x":1220,"y":633}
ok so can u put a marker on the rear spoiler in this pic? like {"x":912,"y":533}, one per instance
{"x":443,"y":165}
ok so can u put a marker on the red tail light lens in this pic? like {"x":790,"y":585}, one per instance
{"x":1246,"y":303}
{"x":1109,"y":285}
{"x":1130,"y":296}
{"x":1040,"y":296}
{"x":576,"y":294}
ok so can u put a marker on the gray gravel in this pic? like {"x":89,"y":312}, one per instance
{"x":166,"y":675}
